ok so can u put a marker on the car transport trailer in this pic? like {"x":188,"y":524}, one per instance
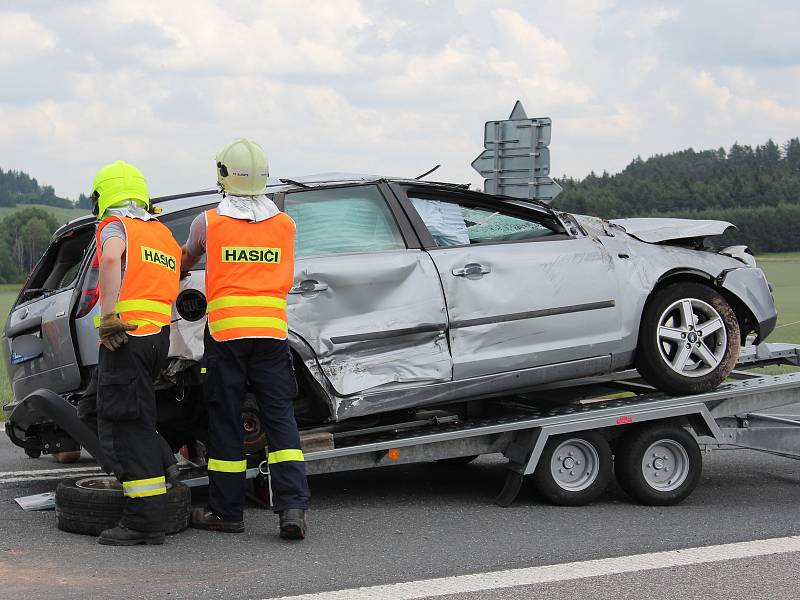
{"x":570,"y":437}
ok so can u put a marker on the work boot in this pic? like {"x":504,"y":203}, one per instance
{"x":205,"y":518}
{"x":122,"y":536}
{"x":293,"y":524}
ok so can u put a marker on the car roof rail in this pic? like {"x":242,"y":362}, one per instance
{"x":186,"y":195}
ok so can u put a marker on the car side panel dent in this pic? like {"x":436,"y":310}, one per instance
{"x":379,"y":320}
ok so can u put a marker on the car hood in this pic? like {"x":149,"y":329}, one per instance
{"x":664,"y":230}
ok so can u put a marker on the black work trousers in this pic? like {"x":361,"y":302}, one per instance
{"x":125,"y":404}
{"x":87,"y":412}
{"x":267,"y":365}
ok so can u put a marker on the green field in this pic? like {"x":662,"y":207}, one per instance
{"x":62,"y":215}
{"x":8,"y":293}
{"x":783,"y":272}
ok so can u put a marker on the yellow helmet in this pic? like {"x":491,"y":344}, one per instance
{"x":115,"y":184}
{"x":242,"y":168}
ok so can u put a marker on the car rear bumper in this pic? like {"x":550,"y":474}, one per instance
{"x":43,"y":419}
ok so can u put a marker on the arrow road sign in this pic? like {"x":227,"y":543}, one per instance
{"x":516,"y":161}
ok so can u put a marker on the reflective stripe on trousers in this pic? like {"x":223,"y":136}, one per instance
{"x":286,"y":455}
{"x":142,"y":488}
{"x":227,"y":466}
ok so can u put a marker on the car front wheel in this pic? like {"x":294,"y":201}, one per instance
{"x":688,"y":339}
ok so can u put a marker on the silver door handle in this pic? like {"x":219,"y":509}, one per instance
{"x":309,"y":286}
{"x":471,"y":270}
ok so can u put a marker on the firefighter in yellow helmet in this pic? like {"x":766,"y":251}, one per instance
{"x":139,"y":264}
{"x":249,"y":247}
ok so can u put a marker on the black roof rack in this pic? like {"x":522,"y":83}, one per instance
{"x":179,"y":196}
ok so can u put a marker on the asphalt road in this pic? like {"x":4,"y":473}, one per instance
{"x":418,"y":522}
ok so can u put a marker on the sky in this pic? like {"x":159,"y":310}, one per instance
{"x":388,"y":87}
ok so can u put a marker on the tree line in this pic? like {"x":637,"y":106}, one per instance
{"x":17,"y":187}
{"x":24,"y":236}
{"x":756,"y":189}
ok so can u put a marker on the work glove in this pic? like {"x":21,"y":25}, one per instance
{"x":112,"y":331}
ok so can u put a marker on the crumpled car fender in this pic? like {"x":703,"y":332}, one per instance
{"x":751,"y":287}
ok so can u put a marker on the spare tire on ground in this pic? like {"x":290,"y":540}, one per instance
{"x":91,"y":504}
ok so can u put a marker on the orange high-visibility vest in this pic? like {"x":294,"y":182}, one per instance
{"x":249,"y":271}
{"x":152,"y":274}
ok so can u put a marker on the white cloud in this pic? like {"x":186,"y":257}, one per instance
{"x":719,"y":95}
{"x":377,"y":86}
{"x":23,"y":38}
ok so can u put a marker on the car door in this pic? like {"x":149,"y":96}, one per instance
{"x":521,"y":291}
{"x":366,"y":298}
{"x":41,"y":352}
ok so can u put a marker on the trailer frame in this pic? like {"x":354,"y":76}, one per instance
{"x":726,"y":417}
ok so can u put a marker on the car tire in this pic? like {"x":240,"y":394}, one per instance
{"x":674,"y":354}
{"x":33,"y":453}
{"x":658,"y":484}
{"x":561,"y":476}
{"x":92,"y":504}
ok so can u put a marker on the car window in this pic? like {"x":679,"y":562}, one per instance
{"x":58,"y":268}
{"x":454,"y":224}
{"x":342,"y":220}
{"x":179,"y":223}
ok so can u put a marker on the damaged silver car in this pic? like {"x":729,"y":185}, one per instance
{"x":411,"y":294}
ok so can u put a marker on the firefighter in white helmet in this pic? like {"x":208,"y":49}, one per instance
{"x":249,"y":247}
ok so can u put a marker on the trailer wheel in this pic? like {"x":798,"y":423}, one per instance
{"x":574,"y":468}
{"x":658,"y":465}
{"x":92,"y":504}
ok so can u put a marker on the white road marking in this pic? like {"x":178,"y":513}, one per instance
{"x":46,"y":474}
{"x":45,"y":478}
{"x":48,"y":471}
{"x":481,"y":582}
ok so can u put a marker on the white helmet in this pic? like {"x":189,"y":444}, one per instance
{"x":242,"y":168}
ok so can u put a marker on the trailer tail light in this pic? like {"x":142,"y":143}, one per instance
{"x":393,"y":454}
{"x":90,"y":292}
{"x":624,"y":420}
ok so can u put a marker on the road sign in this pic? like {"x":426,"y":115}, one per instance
{"x":516,"y":161}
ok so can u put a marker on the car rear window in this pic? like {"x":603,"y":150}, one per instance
{"x":59,"y":266}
